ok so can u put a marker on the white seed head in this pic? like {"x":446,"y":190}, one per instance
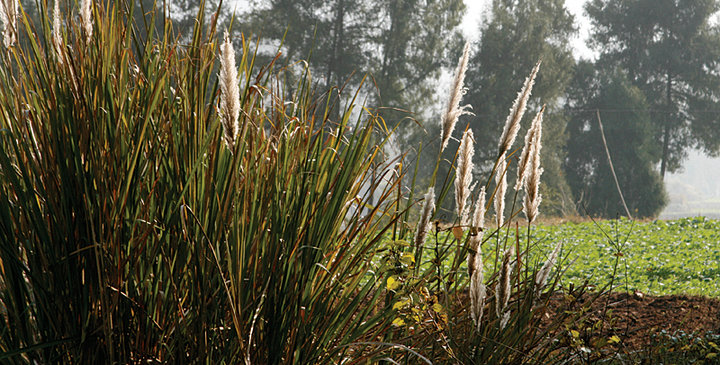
{"x":463,"y":175}
{"x":531,"y":202}
{"x":9,"y":17}
{"x":86,"y":18}
{"x":229,"y":93}
{"x":478,"y":223}
{"x":503,"y":288}
{"x":454,"y":110}
{"x":478,"y":292}
{"x":423,"y":223}
{"x":542,"y":275}
{"x":512,"y":124}
{"x":56,"y":32}
{"x":501,"y":188}
{"x":525,"y":155}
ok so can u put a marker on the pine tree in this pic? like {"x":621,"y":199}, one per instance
{"x":627,"y":127}
{"x":672,"y":53}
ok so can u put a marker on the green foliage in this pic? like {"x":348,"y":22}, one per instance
{"x":516,"y":36}
{"x":628,"y":131}
{"x":657,"y":257}
{"x":683,"y":348}
{"x":129,"y":232}
{"x":401,"y":44}
{"x":670,"y":50}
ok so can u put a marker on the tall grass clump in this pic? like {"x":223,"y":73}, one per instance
{"x":170,"y":202}
{"x":477,"y":294}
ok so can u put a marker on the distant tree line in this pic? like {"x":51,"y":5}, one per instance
{"x":655,"y":84}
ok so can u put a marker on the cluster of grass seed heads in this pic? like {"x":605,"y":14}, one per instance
{"x":229,"y":93}
{"x":454,"y":110}
{"x":463,"y":175}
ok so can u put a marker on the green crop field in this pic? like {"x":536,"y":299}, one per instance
{"x":657,"y":257}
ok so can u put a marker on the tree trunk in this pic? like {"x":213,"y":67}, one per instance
{"x":338,"y":30}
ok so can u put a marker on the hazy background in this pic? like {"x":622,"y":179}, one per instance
{"x":695,"y":190}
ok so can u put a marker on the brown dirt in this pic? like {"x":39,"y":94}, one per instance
{"x":635,"y":317}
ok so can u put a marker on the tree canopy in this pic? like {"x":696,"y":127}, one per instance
{"x":401,"y":44}
{"x":622,"y":108}
{"x":671,"y":51}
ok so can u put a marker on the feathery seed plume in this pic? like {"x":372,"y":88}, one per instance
{"x":525,"y":155}
{"x":501,"y":187}
{"x":532,"y":199}
{"x":502,"y":288}
{"x":428,"y":208}
{"x":56,"y":35}
{"x":505,"y":319}
{"x":478,"y":291}
{"x":454,"y":110}
{"x":229,"y":93}
{"x":86,"y":18}
{"x":512,"y":124}
{"x":463,"y":175}
{"x":542,"y":275}
{"x":478,"y":223}
{"x":9,"y":17}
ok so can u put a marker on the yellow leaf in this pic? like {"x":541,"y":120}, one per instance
{"x":614,"y":339}
{"x":711,"y":355}
{"x":437,"y":307}
{"x":575,"y":334}
{"x":407,"y":259}
{"x":398,"y":322}
{"x":458,"y":233}
{"x":392,"y":283}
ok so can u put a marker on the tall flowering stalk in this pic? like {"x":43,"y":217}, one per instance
{"x":9,"y":17}
{"x":229,"y":93}
{"x":463,"y":175}
{"x":512,"y":124}
{"x":86,"y":18}
{"x":478,"y":291}
{"x":454,"y":110}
